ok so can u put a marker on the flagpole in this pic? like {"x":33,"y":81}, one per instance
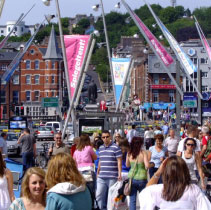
{"x":77,"y":86}
{"x":124,"y":82}
{"x":200,"y":32}
{"x":184,"y":68}
{"x":149,"y":42}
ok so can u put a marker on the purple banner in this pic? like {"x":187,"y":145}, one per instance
{"x":163,"y":54}
{"x":206,"y":45}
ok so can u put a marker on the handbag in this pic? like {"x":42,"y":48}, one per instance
{"x":128,"y":185}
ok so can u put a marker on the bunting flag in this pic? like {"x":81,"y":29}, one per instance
{"x":15,"y":63}
{"x":203,"y":39}
{"x":76,"y":50}
{"x":188,"y":66}
{"x":159,"y":50}
{"x":120,"y":71}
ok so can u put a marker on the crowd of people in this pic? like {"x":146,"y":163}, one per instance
{"x":165,"y":171}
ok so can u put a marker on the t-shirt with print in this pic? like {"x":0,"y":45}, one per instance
{"x":108,"y":160}
{"x":155,"y":155}
{"x":3,"y":145}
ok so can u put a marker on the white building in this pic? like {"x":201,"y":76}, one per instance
{"x":19,"y":30}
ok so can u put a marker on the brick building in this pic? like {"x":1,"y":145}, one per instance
{"x":41,"y":76}
{"x":10,"y":92}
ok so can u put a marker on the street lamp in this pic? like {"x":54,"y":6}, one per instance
{"x":96,"y":8}
{"x":47,"y":3}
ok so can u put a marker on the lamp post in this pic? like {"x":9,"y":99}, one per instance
{"x":95,"y":8}
{"x":47,"y":3}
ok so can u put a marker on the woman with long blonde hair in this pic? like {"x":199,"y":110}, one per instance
{"x":33,"y":191}
{"x":66,"y":186}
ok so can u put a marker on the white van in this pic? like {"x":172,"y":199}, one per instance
{"x":56,"y":125}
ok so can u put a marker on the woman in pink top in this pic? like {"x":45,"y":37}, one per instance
{"x":84,"y":157}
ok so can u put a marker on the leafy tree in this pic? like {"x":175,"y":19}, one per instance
{"x":82,"y":25}
{"x":168,"y":15}
{"x":187,"y":33}
{"x":65,"y":22}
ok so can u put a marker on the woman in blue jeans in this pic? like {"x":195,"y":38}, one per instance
{"x":138,"y":161}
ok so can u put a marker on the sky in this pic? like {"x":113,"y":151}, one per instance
{"x":69,"y":8}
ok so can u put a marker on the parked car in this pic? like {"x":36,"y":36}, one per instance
{"x":45,"y":132}
{"x":69,"y":141}
{"x":12,"y":147}
{"x":56,"y":125}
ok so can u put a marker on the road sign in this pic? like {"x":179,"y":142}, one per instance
{"x":190,"y":103}
{"x":50,"y":102}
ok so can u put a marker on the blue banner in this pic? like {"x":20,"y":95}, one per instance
{"x":120,"y":70}
{"x":159,"y":106}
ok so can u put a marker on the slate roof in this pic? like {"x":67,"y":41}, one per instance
{"x":52,"y":51}
{"x":7,"y":56}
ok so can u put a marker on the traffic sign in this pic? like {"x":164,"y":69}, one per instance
{"x":50,"y":102}
{"x":190,"y":104}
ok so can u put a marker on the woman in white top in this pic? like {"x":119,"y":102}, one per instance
{"x":176,"y":192}
{"x":6,"y":186}
{"x":193,"y":161}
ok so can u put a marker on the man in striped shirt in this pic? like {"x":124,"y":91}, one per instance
{"x":109,"y":168}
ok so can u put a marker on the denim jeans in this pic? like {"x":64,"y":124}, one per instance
{"x":151,"y":173}
{"x":103,"y":184}
{"x":28,"y":160}
{"x":137,"y":185}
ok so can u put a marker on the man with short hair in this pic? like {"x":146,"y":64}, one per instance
{"x":3,"y":144}
{"x":109,"y":168}
{"x":59,"y":146}
{"x":171,"y":143}
{"x":28,"y":148}
{"x":132,"y":133}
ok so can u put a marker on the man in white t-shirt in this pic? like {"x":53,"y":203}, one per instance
{"x":171,"y":143}
{"x":132,"y":133}
{"x":192,"y":132}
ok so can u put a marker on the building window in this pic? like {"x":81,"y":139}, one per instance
{"x":2,"y":31}
{"x":204,"y":74}
{"x":37,"y":65}
{"x":3,"y":82}
{"x":36,"y":95}
{"x":15,"y":96}
{"x":204,"y":105}
{"x":155,"y":96}
{"x":156,"y":79}
{"x":204,"y":60}
{"x":204,"y":88}
{"x":3,"y":96}
{"x":28,"y":79}
{"x":195,"y":60}
{"x":46,"y":79}
{"x":28,"y":95}
{"x":53,"y":93}
{"x":28,"y":64}
{"x":53,"y":64}
{"x":53,"y":79}
{"x":37,"y":79}
{"x":46,"y":64}
{"x":8,"y":29}
{"x":46,"y":93}
{"x":22,"y":29}
{"x":16,"y":79}
{"x":171,"y":96}
{"x":3,"y":67}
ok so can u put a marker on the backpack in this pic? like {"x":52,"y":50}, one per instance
{"x":208,"y":150}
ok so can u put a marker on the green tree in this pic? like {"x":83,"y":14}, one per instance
{"x":82,"y":25}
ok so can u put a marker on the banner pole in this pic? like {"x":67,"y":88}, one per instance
{"x":150,"y":44}
{"x":64,"y":54}
{"x":76,"y":89}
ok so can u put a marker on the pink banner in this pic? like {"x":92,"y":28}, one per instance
{"x":163,"y":54}
{"x":206,"y":44}
{"x":76,"y":46}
